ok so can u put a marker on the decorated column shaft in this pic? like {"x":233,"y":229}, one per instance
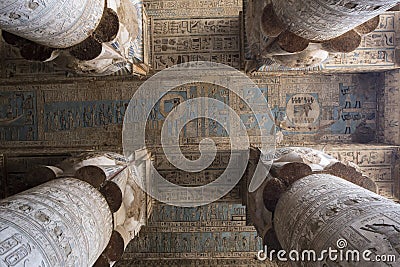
{"x":64,"y":222}
{"x":95,"y":37}
{"x":289,"y":165}
{"x":109,"y":175}
{"x":321,"y":20}
{"x":313,"y":210}
{"x":53,"y":23}
{"x":302,"y":33}
{"x":322,"y":212}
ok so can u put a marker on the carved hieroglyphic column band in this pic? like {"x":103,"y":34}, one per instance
{"x":65,"y":222}
{"x":321,"y":20}
{"x":321,"y":209}
{"x":390,"y":108}
{"x":54,"y":23}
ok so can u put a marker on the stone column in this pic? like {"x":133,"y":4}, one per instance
{"x":53,"y":23}
{"x":321,"y":20}
{"x":65,"y":222}
{"x":302,"y":33}
{"x":122,"y":25}
{"x":289,"y":165}
{"x":95,"y":37}
{"x":311,"y":203}
{"x":112,"y":175}
{"x":322,"y":211}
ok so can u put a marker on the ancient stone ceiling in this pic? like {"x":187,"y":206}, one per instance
{"x":46,"y":114}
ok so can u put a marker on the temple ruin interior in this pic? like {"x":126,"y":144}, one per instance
{"x":328,"y":69}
